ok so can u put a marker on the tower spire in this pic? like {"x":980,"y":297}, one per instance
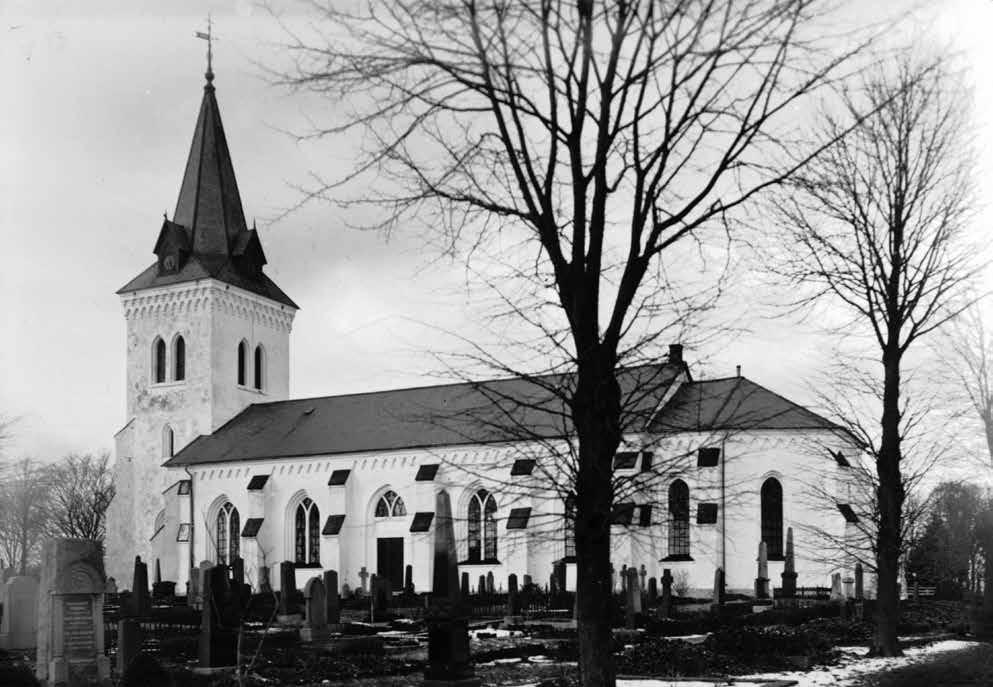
{"x":209,"y":37}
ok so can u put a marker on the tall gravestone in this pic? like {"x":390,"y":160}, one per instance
{"x":718,"y":587}
{"x":789,"y":568}
{"x":632,"y":594}
{"x":859,"y":591}
{"x":642,"y":580}
{"x":489,"y":582}
{"x":465,"y":584}
{"x":513,"y":602}
{"x":481,"y":589}
{"x":70,"y":614}
{"x":653,"y":592}
{"x":141,"y":602}
{"x":762,"y":580}
{"x":265,"y":586}
{"x":128,"y":642}
{"x":217,"y":649}
{"x":287,"y":593}
{"x":665,"y":609}
{"x":315,"y":622}
{"x":332,"y":611}
{"x":408,"y":580}
{"x":19,"y":624}
{"x":448,"y":663}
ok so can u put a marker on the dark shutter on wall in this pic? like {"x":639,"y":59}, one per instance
{"x":333,"y":525}
{"x":426,"y":473}
{"x":645,"y":515}
{"x":646,"y":461}
{"x":847,"y":511}
{"x":338,"y":478}
{"x":257,"y":482}
{"x":706,"y":513}
{"x":708,"y":457}
{"x":252,"y":527}
{"x":623,"y":513}
{"x":518,"y":519}
{"x":625,"y":460}
{"x":522,"y":466}
{"x":422,"y":522}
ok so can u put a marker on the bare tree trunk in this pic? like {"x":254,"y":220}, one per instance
{"x":596,"y":409}
{"x":890,"y":499}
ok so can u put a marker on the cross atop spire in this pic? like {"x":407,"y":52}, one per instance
{"x":209,"y":37}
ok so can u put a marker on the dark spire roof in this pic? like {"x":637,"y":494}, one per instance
{"x":209,"y":203}
{"x":208,"y":236}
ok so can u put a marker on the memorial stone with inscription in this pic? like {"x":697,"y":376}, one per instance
{"x":19,"y":626}
{"x":70,"y":614}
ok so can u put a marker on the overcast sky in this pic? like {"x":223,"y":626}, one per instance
{"x":98,"y":112}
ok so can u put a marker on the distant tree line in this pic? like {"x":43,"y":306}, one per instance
{"x":68,"y":498}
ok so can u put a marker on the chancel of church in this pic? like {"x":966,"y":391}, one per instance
{"x":215,"y":461}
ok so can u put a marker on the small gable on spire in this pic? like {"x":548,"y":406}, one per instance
{"x":172,"y":247}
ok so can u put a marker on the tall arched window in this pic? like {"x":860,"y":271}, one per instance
{"x":179,"y":358}
{"x":159,"y":360}
{"x":242,"y":362}
{"x":482,"y":527}
{"x":390,"y":505}
{"x":679,"y":519}
{"x":772,"y":517}
{"x":259,"y":363}
{"x":307,"y":533}
{"x":570,"y":526}
{"x":167,"y":442}
{"x":228,"y":534}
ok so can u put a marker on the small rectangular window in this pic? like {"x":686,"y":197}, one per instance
{"x":623,"y":513}
{"x":645,"y":515}
{"x":708,"y":457}
{"x":646,"y":461}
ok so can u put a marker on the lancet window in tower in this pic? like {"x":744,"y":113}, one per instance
{"x":179,"y":358}
{"x":242,"y":362}
{"x":228,"y":534}
{"x":259,"y":366}
{"x":159,"y":360}
{"x":307,"y":534}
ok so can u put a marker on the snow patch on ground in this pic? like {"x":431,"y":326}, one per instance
{"x":656,"y":682}
{"x":857,"y":666}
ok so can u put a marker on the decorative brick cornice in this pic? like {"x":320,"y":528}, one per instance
{"x":206,"y":296}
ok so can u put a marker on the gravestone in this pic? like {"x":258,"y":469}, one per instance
{"x":859,"y":583}
{"x":789,"y":568}
{"x":465,"y":584}
{"x":382,"y":593}
{"x":408,"y":580}
{"x":762,"y":580}
{"x":363,"y":577}
{"x":288,"y":613}
{"x":141,"y":602}
{"x":346,"y":591}
{"x":527,"y":581}
{"x":332,"y":610}
{"x":642,"y":574}
{"x":513,"y":602}
{"x":19,"y":624}
{"x":847,"y":583}
{"x":111,"y":587}
{"x":653,"y":592}
{"x":718,"y":587}
{"x":665,"y":609}
{"x":624,"y":579}
{"x":265,"y":586}
{"x":481,"y":589}
{"x":70,"y":614}
{"x":217,"y":649}
{"x":158,"y":572}
{"x":489,"y":582}
{"x":238,"y":571}
{"x":128,"y":642}
{"x":837,"y":593}
{"x":315,"y":623}
{"x":448,"y":663}
{"x":613,"y":579}
{"x":632,"y":606}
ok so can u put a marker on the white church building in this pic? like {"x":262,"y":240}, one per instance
{"x":215,"y":461}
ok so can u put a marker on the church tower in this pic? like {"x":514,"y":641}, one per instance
{"x":207,"y":335}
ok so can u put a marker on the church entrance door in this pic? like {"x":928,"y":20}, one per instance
{"x":389,"y":560}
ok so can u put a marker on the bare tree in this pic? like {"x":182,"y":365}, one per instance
{"x":878,"y":226}
{"x":967,"y":350}
{"x":82,"y":488}
{"x":24,"y":512}
{"x":594,"y":137}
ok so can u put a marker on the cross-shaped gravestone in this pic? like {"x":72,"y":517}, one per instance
{"x":364,"y":577}
{"x":666,"y":593}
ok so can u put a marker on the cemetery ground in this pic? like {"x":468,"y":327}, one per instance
{"x":813,"y":645}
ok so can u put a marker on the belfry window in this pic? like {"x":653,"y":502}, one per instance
{"x":242,"y":362}
{"x":259,"y":366}
{"x":159,"y":360}
{"x":228,"y":531}
{"x":679,"y":519}
{"x":179,"y":358}
{"x":307,"y":534}
{"x":482,"y":527}
{"x":390,"y":505}
{"x":772,"y":518}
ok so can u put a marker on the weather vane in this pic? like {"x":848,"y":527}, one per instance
{"x":209,"y":37}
